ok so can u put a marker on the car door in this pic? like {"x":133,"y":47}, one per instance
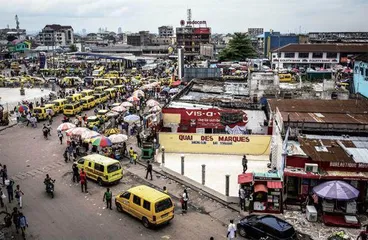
{"x":125,"y":201}
{"x":136,"y":206}
{"x":257,"y":230}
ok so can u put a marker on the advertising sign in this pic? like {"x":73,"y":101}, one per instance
{"x":215,"y":143}
{"x":202,"y":30}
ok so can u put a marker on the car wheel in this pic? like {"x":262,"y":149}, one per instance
{"x":99,"y":181}
{"x":242,"y":232}
{"x":119,"y":207}
{"x":145,"y":222}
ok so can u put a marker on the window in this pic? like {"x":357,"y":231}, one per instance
{"x":366,"y":72}
{"x":362,"y":71}
{"x":331,"y":55}
{"x":356,"y":69}
{"x":163,"y":205}
{"x":125,"y":195}
{"x":147,"y":205}
{"x":137,"y":200}
{"x":81,"y":161}
{"x":317,"y":55}
{"x":99,"y":167}
{"x":89,"y":164}
{"x":289,"y":55}
{"x":303,"y":55}
{"x":113,"y":167}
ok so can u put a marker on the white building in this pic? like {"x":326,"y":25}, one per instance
{"x":56,"y":35}
{"x":166,"y":31}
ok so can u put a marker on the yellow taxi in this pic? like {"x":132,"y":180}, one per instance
{"x":102,"y":114}
{"x":52,"y":107}
{"x":93,"y":121}
{"x":40,"y":113}
{"x":120,"y":88}
{"x":72,"y":109}
{"x":149,"y":205}
{"x":98,"y":98}
{"x":75,"y":97}
{"x":87,"y":92}
{"x":111,"y":92}
{"x":59,"y":104}
{"x":102,"y":169}
{"x":100,"y":89}
{"x":88,"y":102}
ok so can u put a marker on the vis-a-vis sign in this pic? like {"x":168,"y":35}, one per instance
{"x":215,"y":143}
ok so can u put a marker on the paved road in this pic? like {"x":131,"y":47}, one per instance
{"x":75,"y":215}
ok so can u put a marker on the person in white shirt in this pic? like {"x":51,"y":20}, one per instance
{"x":231,"y":230}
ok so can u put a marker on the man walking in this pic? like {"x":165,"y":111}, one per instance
{"x":149,"y":169}
{"x":139,"y":140}
{"x":245,"y":163}
{"x":60,"y":136}
{"x":242,"y":198}
{"x":83,"y":180}
{"x":231,"y":230}
{"x":75,"y":173}
{"x":9,"y":189}
{"x":108,"y":197}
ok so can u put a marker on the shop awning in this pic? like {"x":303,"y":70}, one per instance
{"x":245,"y":178}
{"x":260,"y":188}
{"x":274,"y":184}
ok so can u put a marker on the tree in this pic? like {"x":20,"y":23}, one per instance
{"x":73,"y":48}
{"x":239,"y":49}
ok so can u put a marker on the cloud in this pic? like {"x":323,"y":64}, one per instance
{"x":221,"y":16}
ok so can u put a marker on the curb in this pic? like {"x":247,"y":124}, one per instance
{"x":9,"y":126}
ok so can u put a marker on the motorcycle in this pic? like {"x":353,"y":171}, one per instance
{"x":50,"y":188}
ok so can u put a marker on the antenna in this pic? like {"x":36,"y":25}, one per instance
{"x":17,"y":23}
{"x":189,"y":15}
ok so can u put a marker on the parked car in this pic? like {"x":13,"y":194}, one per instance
{"x":267,"y":227}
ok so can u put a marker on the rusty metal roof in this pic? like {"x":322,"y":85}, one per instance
{"x":309,"y":117}
{"x":319,"y":106}
{"x":325,"y":47}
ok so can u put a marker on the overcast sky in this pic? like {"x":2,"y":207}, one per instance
{"x":223,"y":16}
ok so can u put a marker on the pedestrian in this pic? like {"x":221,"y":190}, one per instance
{"x":75,"y":173}
{"x":70,"y":152}
{"x":23,"y":224}
{"x":124,"y":149}
{"x":2,"y":197}
{"x":165,"y":190}
{"x":15,"y":216}
{"x":231,"y":230}
{"x":83,"y":180}
{"x":19,"y":196}
{"x":245,"y":163}
{"x":184,"y":201}
{"x":4,"y":173}
{"x":131,"y":153}
{"x":65,"y":155}
{"x":60,"y":135}
{"x":149,"y":169}
{"x":139,"y":141}
{"x":9,"y":188}
{"x":135,"y":157}
{"x":242,"y":198}
{"x":108,"y":197}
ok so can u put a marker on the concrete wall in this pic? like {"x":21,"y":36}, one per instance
{"x":361,"y":80}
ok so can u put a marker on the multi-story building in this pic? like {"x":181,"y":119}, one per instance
{"x":190,"y":37}
{"x":56,"y":35}
{"x":20,"y":34}
{"x":254,"y":32}
{"x":143,"y":38}
{"x":157,"y":41}
{"x":343,"y":37}
{"x":166,"y":31}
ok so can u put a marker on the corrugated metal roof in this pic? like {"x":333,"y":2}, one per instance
{"x":360,"y":155}
{"x":351,"y":138}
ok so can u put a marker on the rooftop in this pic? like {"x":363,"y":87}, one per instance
{"x":327,"y":47}
{"x":57,"y":27}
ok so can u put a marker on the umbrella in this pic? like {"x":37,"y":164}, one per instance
{"x":23,"y":108}
{"x":112,"y":131}
{"x":174,"y":90}
{"x":152,"y":103}
{"x":155,"y":109}
{"x":126,"y":104}
{"x":90,"y":134}
{"x":338,"y":190}
{"x":112,"y":114}
{"x":65,"y":126}
{"x":118,"y":138}
{"x":101,"y":141}
{"x":133,"y":99}
{"x":138,"y":93}
{"x":119,"y":109}
{"x":166,"y":89}
{"x":132,"y":118}
{"x":77,"y":131}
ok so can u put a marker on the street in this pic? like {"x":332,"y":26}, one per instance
{"x":75,"y":215}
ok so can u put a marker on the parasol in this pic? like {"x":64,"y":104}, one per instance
{"x":126,"y":104}
{"x":132,"y":118}
{"x":155,"y":109}
{"x":112,"y":131}
{"x":133,"y":99}
{"x":152,"y":103}
{"x":119,"y":109}
{"x":65,"y":126}
{"x":338,"y":190}
{"x":89,"y":134}
{"x":77,"y":131}
{"x":101,"y":141}
{"x":23,"y":108}
{"x":173,"y":90}
{"x":138,"y":93}
{"x":118,"y":138}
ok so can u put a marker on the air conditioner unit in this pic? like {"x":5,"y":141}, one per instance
{"x":311,"y":167}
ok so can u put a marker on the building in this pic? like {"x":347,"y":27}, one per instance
{"x":191,"y":36}
{"x":165,"y":31}
{"x":254,"y":32}
{"x":361,"y":75}
{"x":207,"y":50}
{"x":158,"y":51}
{"x":143,"y":38}
{"x":274,"y":40}
{"x":315,"y":55}
{"x":158,"y":41}
{"x":56,"y":35}
{"x":338,"y":37}
{"x":20,"y":34}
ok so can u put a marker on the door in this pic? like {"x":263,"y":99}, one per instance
{"x":125,"y":201}
{"x":136,"y":206}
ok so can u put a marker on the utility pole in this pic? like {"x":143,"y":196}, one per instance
{"x":17,"y":24}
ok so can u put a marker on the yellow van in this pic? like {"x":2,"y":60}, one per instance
{"x":52,"y":107}
{"x":104,"y":97}
{"x":120,"y":88}
{"x":285,"y":77}
{"x":147,"y":204}
{"x":59,"y":104}
{"x":102,"y":169}
{"x":111,"y":92}
{"x":40,"y":113}
{"x":71,"y":81}
{"x":100,"y":89}
{"x":102,"y":82}
{"x":98,"y":98}
{"x":93,"y":121}
{"x":102,"y":114}
{"x":88,"y":102}
{"x":75,"y":97}
{"x":14,"y":66}
{"x":72,"y":109}
{"x":88,"y":92}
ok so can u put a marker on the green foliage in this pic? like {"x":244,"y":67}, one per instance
{"x":239,"y":49}
{"x":73,"y":48}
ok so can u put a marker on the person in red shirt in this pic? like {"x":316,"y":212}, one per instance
{"x":83,"y":180}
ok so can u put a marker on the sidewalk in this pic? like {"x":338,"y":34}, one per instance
{"x":12,"y":122}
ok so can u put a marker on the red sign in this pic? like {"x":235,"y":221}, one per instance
{"x":196,"y":22}
{"x":202,"y":31}
{"x":349,"y":165}
{"x":208,"y":118}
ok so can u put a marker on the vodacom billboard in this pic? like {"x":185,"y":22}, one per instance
{"x":216,"y":143}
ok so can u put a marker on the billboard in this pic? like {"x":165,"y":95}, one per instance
{"x":215,"y":143}
{"x":202,"y":31}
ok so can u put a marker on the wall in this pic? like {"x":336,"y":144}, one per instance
{"x":215,"y":143}
{"x":361,"y":81}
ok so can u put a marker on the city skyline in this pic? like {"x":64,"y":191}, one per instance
{"x":227,"y":17}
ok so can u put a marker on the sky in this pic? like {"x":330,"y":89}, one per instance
{"x":223,"y":16}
